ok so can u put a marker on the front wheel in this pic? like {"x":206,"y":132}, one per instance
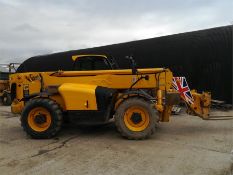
{"x":136,"y":118}
{"x":41,"y":118}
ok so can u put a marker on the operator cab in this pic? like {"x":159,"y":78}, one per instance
{"x":93,"y":62}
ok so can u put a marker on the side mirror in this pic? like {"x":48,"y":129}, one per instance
{"x":132,"y":64}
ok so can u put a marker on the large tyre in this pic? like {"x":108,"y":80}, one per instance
{"x":41,"y":118}
{"x":6,"y":99}
{"x":136,"y":118}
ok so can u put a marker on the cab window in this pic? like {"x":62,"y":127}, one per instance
{"x":91,"y":63}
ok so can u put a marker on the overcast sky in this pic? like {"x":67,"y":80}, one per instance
{"x":33,"y":27}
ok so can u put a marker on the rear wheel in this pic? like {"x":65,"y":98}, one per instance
{"x":41,"y":118}
{"x":135,"y":118}
{"x":6,"y":99}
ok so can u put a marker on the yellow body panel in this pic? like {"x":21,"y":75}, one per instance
{"x":78,"y":96}
{"x":111,"y":72}
{"x":116,"y":79}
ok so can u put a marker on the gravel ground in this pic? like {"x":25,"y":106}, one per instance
{"x":186,"y":145}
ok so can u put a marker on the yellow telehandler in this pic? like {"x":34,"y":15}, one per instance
{"x":95,"y":92}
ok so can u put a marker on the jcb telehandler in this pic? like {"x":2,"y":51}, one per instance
{"x":93,"y":93}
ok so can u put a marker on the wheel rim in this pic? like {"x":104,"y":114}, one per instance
{"x":136,"y":118}
{"x":39,"y":119}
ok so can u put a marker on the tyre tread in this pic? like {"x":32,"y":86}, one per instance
{"x":56,"y":123}
{"x":121,"y":129}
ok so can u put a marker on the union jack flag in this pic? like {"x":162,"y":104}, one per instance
{"x":180,"y":84}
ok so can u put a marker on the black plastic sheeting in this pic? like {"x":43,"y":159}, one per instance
{"x":204,"y":57}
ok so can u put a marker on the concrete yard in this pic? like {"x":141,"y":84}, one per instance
{"x":186,"y":145}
